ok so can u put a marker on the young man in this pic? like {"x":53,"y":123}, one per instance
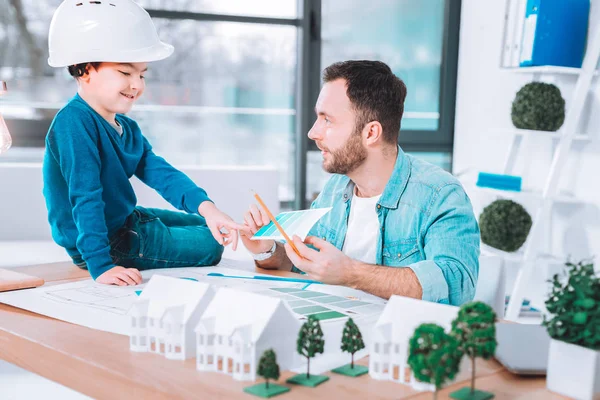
{"x":398,"y":225}
{"x":92,"y":149}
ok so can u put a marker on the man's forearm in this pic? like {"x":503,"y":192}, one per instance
{"x":385,"y":281}
{"x":279,"y":260}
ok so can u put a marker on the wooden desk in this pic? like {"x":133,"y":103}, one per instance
{"x":100,"y":365}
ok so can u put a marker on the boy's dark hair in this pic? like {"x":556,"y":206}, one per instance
{"x":79,"y":70}
{"x":375,"y":93}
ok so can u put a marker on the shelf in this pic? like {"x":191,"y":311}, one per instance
{"x":526,"y":195}
{"x":547,"y":69}
{"x":517,"y":256}
{"x":578,"y":137}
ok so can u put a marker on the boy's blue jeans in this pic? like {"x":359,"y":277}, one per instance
{"x":152,"y":238}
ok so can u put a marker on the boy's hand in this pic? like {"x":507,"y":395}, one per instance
{"x":120,"y":276}
{"x":222,"y":227}
{"x":254,"y":219}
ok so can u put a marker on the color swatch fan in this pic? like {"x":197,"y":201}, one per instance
{"x":293,"y":223}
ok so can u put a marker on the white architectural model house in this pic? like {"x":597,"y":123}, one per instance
{"x":164,"y":316}
{"x":237,"y":327}
{"x":388,"y":352}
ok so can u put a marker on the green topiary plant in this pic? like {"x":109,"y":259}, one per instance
{"x":575,"y":305}
{"x":538,"y":106}
{"x":434,"y":356}
{"x":504,"y":225}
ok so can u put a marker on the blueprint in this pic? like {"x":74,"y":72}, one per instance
{"x":106,"y":308}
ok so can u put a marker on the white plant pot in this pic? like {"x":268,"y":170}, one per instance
{"x":573,"y":371}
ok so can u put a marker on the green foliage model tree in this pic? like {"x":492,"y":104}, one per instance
{"x":267,"y":366}
{"x":434,"y":356}
{"x":475,"y":330}
{"x":352,"y":340}
{"x":574,"y":303}
{"x":310,"y":341}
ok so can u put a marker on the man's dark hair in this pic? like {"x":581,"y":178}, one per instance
{"x":79,"y":70}
{"x":375,"y":93}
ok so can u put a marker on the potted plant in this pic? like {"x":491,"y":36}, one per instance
{"x":574,"y":359}
{"x":504,"y":225}
{"x":538,"y":106}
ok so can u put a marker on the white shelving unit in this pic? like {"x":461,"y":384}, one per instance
{"x":532,"y":250}
{"x":547,"y":69}
{"x":528,"y":196}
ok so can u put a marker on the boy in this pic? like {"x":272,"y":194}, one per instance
{"x":92,"y":149}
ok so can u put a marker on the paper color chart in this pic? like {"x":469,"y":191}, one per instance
{"x":293,"y":223}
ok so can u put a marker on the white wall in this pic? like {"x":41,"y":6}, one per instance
{"x":484,"y":97}
{"x":23,"y":214}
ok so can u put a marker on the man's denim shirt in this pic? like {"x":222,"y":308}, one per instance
{"x":426,"y":223}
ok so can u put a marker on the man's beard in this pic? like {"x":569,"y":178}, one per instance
{"x":348,"y":158}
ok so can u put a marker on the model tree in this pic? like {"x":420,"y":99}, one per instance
{"x":310,"y":343}
{"x":434,"y":356}
{"x":352,"y":341}
{"x":475,"y":330}
{"x":268,"y":369}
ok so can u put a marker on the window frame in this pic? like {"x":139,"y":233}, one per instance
{"x":308,"y":81}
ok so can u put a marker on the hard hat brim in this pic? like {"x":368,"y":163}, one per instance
{"x":158,"y":52}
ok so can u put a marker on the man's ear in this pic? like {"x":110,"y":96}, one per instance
{"x":373,"y":133}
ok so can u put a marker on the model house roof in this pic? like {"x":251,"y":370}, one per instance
{"x":164,"y":292}
{"x":402,"y":315}
{"x":232,"y":310}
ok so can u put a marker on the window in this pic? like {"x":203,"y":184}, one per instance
{"x":242,"y":83}
{"x":418,"y":40}
{"x":274,"y":9}
{"x":225,"y":97}
{"x":408,"y":39}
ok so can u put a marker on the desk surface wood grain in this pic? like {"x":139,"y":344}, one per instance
{"x":100,"y":365}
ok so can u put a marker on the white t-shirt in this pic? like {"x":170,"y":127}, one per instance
{"x":363,"y":229}
{"x":117,"y":127}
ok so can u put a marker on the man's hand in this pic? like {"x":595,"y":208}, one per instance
{"x":254,"y":219}
{"x":328,"y":265}
{"x":120,"y":276}
{"x":222,"y":227}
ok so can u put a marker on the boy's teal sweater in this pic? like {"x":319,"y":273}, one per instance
{"x":87,"y":166}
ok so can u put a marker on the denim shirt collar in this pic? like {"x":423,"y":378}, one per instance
{"x":395,"y":186}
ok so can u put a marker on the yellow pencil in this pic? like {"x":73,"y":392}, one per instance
{"x":272,"y":218}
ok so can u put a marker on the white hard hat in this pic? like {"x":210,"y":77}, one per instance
{"x":84,"y":31}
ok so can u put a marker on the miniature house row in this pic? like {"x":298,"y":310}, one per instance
{"x":388,"y":350}
{"x":227,"y":330}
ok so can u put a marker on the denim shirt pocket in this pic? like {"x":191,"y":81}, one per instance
{"x":325,"y":233}
{"x":401,"y":253}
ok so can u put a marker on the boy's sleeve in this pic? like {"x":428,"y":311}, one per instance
{"x":74,"y":145}
{"x":173,"y":185}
